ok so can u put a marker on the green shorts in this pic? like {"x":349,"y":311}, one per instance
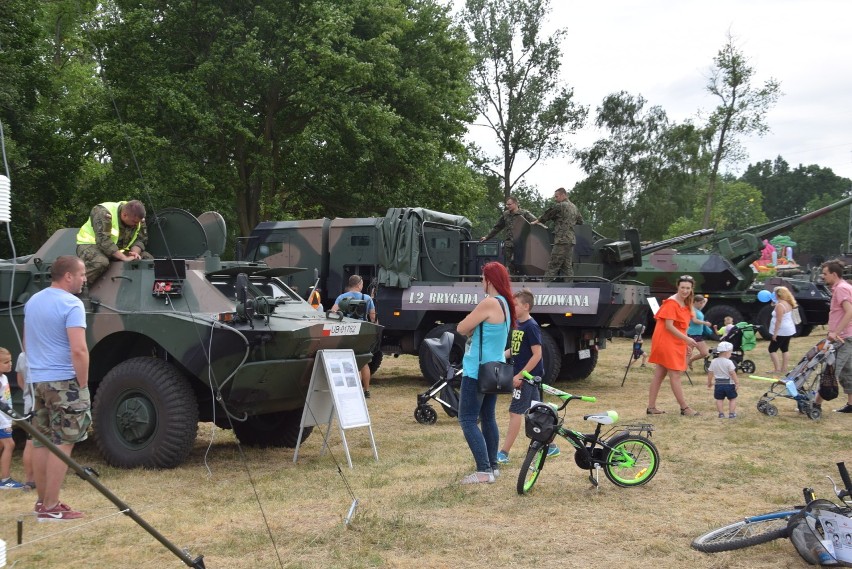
{"x":62,"y":411}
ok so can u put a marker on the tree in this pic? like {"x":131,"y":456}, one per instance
{"x":788,"y":192}
{"x":643,"y":161}
{"x":827,"y":237}
{"x":741,"y":111}
{"x":290,"y":109}
{"x":739,"y":206}
{"x":518,"y":91}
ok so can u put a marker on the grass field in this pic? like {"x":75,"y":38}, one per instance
{"x":251,"y":508}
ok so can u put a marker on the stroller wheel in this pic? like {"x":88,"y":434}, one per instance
{"x":815,"y":413}
{"x":425,"y":415}
{"x":770,"y":410}
{"x":748,"y":366}
{"x":707,"y":364}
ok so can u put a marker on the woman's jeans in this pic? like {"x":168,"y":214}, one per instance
{"x":474,"y":405}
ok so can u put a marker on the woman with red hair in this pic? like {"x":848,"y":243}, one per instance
{"x":490,"y":323}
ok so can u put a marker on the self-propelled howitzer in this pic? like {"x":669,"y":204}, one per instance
{"x":721,"y":265}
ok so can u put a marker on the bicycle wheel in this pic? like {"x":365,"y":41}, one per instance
{"x":531,"y":468}
{"x":642,"y":466}
{"x":745,"y":533}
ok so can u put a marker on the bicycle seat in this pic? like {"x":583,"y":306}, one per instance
{"x":601,"y":418}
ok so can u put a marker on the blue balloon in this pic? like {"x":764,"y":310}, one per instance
{"x":764,"y":296}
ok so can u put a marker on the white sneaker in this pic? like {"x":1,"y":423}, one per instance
{"x":478,"y":478}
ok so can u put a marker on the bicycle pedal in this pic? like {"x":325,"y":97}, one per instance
{"x":593,"y":479}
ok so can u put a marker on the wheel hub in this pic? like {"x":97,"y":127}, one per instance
{"x":135,"y":419}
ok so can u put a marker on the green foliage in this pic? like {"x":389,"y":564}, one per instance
{"x":741,"y":110}
{"x":737,"y":206}
{"x":290,"y":110}
{"x":518,"y":90}
{"x":644,"y":161}
{"x":827,"y":237}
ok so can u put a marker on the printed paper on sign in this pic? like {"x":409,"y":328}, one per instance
{"x":584,"y":354}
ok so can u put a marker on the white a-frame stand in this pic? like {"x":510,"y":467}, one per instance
{"x":335,"y":391}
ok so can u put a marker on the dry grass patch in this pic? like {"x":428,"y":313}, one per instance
{"x":414,"y":514}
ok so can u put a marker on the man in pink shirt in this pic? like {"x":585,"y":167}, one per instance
{"x":840,"y":327}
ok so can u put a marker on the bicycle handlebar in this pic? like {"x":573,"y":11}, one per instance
{"x":536,"y":380}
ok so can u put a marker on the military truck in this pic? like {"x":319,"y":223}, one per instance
{"x":187,"y":337}
{"x":722,"y":266}
{"x":423,"y":268}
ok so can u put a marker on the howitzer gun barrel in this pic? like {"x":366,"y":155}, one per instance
{"x":658,"y":245}
{"x":777,"y":227}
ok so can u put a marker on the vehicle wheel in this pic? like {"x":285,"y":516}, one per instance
{"x":770,"y":410}
{"x":764,"y":317}
{"x":745,"y":533}
{"x":450,"y":394}
{"x":815,"y":413}
{"x":716,"y":314}
{"x":425,"y":415}
{"x":639,"y":469}
{"x":531,"y":468}
{"x":748,"y":366}
{"x":551,"y":354}
{"x":804,"y":329}
{"x":376,"y":362}
{"x":427,"y":366}
{"x":145,"y":414}
{"x":707,"y":361}
{"x":279,"y":429}
{"x":761,"y":406}
{"x":575,"y":368}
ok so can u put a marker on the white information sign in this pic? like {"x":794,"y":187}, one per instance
{"x":335,"y":392}
{"x":655,"y":306}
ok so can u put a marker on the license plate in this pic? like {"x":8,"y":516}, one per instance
{"x":346,"y":329}
{"x":584,"y":354}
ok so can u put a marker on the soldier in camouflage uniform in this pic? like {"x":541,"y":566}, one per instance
{"x":506,"y":222}
{"x":115,"y":230}
{"x":566,"y":215}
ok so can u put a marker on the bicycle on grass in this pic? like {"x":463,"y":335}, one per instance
{"x":755,"y":530}
{"x":626,"y":453}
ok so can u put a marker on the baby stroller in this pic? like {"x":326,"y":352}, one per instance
{"x":742,"y":337}
{"x":802,"y":382}
{"x":446,"y":389}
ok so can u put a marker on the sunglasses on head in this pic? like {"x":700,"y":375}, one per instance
{"x":685,"y":278}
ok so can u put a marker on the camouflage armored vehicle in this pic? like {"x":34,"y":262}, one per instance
{"x":187,"y":338}
{"x":722,"y":267}
{"x":423,"y":268}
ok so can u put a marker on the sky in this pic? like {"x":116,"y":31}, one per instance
{"x":664,"y":49}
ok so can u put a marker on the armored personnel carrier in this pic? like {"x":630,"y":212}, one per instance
{"x":423,"y":269}
{"x":188,"y":337}
{"x":722,"y":267}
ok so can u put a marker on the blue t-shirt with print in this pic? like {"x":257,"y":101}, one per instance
{"x":524,"y":337}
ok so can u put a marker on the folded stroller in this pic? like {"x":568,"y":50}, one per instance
{"x":446,"y":389}
{"x":742,"y":337}
{"x":802,"y":382}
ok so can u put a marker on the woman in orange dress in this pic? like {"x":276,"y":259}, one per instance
{"x":669,"y":344}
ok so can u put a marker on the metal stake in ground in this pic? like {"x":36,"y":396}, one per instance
{"x":86,"y":474}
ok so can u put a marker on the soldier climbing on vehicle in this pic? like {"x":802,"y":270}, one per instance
{"x":114,"y":230}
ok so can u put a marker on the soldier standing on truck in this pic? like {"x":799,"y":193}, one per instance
{"x":506,"y":222}
{"x":566,"y":215}
{"x":114,"y":230}
{"x":353,"y":290}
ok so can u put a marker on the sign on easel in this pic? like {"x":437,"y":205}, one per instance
{"x":335,"y":392}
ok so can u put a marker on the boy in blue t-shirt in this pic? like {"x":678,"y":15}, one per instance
{"x":526,"y":350}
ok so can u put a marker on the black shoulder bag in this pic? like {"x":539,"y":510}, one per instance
{"x":495,"y":377}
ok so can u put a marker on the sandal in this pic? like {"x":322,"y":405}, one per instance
{"x":478,"y":478}
{"x":654,"y":411}
{"x":689,"y":412}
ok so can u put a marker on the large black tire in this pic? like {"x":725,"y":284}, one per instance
{"x":764,"y":317}
{"x":551,"y":355}
{"x":716,"y":314}
{"x":745,"y":533}
{"x":376,"y":362}
{"x":803,"y":330}
{"x":427,"y":367}
{"x":272,"y":429}
{"x":575,"y":368}
{"x":145,"y":414}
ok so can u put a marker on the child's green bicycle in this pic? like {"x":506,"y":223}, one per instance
{"x":626,"y":453}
